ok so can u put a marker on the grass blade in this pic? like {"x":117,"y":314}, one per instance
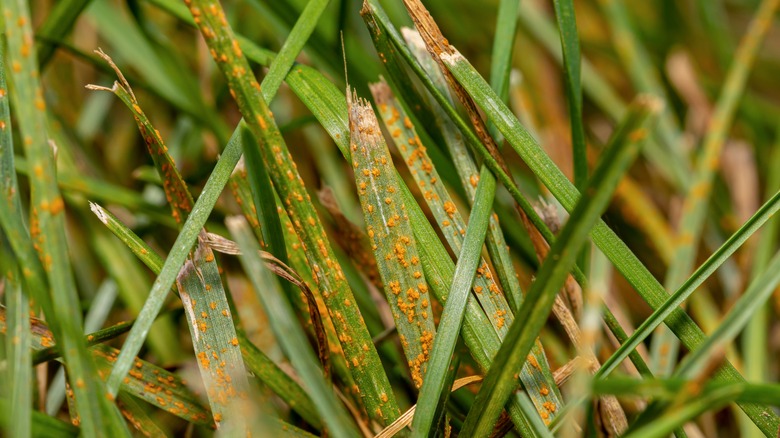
{"x":96,"y":412}
{"x":452,"y":316}
{"x":500,"y":380}
{"x":18,"y":353}
{"x":290,"y":335}
{"x":570,"y":46}
{"x":743,"y":310}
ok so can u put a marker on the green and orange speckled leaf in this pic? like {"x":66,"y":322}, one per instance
{"x":146,"y":381}
{"x":390,"y":233}
{"x":366,"y":367}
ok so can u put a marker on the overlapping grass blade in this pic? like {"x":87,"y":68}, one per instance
{"x":470,"y":175}
{"x":436,"y":195}
{"x":452,"y":316}
{"x":199,"y":282}
{"x":500,"y":381}
{"x":616,"y":250}
{"x":97,"y":413}
{"x":255,"y":360}
{"x":696,"y":203}
{"x":366,"y":370}
{"x":290,"y":335}
{"x":146,"y":381}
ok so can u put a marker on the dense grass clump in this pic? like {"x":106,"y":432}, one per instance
{"x":400,"y":217}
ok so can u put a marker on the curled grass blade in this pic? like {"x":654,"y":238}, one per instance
{"x":390,"y":234}
{"x":500,"y":381}
{"x":290,"y":335}
{"x":98,"y":415}
{"x":616,"y":250}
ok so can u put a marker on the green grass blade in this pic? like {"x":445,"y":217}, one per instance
{"x":277,"y":381}
{"x":740,"y":313}
{"x":598,"y":89}
{"x":671,"y":304}
{"x":570,"y":47}
{"x":531,"y":317}
{"x":695,"y":205}
{"x":97,"y":414}
{"x":452,"y":316}
{"x":43,"y":426}
{"x":56,"y":26}
{"x":616,"y":250}
{"x":300,"y":33}
{"x":390,"y":234}
{"x":290,"y":335}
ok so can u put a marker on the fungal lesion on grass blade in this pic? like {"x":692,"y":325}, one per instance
{"x":390,"y":236}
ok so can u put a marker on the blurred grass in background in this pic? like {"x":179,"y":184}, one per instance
{"x":356,"y":283}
